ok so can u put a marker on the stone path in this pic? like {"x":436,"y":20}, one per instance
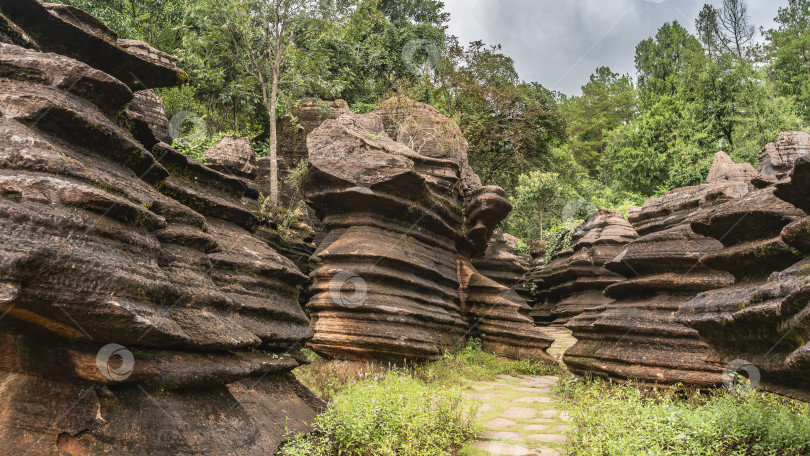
{"x":521,"y":416}
{"x":562,"y":340}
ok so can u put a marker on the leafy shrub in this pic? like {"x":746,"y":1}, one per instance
{"x":391,"y":415}
{"x":616,"y":420}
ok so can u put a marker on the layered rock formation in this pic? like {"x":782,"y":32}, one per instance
{"x":575,"y":279}
{"x":394,"y":279}
{"x":105,"y":241}
{"x":637,"y":335}
{"x":233,"y":156}
{"x":509,"y":268}
{"x":777,"y":158}
{"x":762,"y":318}
{"x":292,"y":143}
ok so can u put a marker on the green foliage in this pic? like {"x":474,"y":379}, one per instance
{"x":608,"y":101}
{"x":390,"y":414}
{"x":511,"y":124}
{"x":615,"y":420}
{"x":196,"y":144}
{"x":788,"y":50}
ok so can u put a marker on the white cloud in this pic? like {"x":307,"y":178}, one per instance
{"x":560,"y":42}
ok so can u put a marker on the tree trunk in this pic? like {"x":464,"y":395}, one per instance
{"x":274,"y":135}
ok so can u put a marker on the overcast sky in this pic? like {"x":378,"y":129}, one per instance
{"x":559,"y":43}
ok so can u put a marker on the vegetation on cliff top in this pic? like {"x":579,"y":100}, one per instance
{"x":624,"y":139}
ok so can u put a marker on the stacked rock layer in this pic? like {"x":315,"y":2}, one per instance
{"x":503,"y":263}
{"x":114,"y":243}
{"x":389,"y":274}
{"x":637,"y":336}
{"x":762,"y":320}
{"x":575,"y":279}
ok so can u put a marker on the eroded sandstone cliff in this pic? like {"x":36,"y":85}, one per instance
{"x":403,"y":214}
{"x":109,"y":236}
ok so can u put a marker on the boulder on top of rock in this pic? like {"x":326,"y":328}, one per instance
{"x":233,"y":156}
{"x":724,"y":169}
{"x":777,"y":158}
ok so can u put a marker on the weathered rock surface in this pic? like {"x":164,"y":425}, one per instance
{"x":103,"y":242}
{"x":638,"y":336}
{"x":505,"y":265}
{"x":776,"y":159}
{"x":292,"y":143}
{"x":575,"y":279}
{"x":387,"y":281}
{"x":724,"y":169}
{"x":676,"y":205}
{"x":149,"y":123}
{"x":69,"y":31}
{"x":233,"y":156}
{"x":497,"y":318}
{"x":737,"y":321}
{"x":762,"y":318}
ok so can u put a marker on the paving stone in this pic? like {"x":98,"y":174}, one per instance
{"x":501,"y":435}
{"x":561,"y":427}
{"x":500,"y":423}
{"x":533,"y":399}
{"x":485,"y":408}
{"x":499,"y":448}
{"x":550,"y":413}
{"x":535,"y":427}
{"x":541,"y":420}
{"x":519,"y":412}
{"x":482,"y":395}
{"x":533,"y":390}
{"x":548,"y":438}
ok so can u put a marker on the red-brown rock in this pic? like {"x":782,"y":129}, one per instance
{"x":106,"y":242}
{"x":387,"y":284}
{"x":575,"y":279}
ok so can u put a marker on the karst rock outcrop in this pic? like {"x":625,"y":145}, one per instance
{"x":394,"y":277}
{"x":503,"y":263}
{"x":761,"y":321}
{"x":637,"y":335}
{"x":143,"y":312}
{"x":575,"y":279}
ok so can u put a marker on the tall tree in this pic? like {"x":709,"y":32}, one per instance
{"x":735,"y":24}
{"x":262,"y":31}
{"x":708,"y":29}
{"x":608,"y":100}
{"x":788,"y":51}
{"x":510,"y":124}
{"x":660,"y":61}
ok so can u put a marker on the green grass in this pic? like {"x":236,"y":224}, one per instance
{"x":411,"y":409}
{"x":612,"y":420}
{"x":390,"y":414}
